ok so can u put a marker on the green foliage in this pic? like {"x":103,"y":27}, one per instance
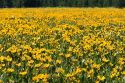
{"x":62,"y":3}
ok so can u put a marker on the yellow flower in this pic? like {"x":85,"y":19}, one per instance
{"x":105,"y":60}
{"x":61,"y":54}
{"x":97,"y":81}
{"x":121,"y":61}
{"x":40,"y":76}
{"x":101,"y":78}
{"x":114,"y":72}
{"x":1,"y":81}
{"x":110,"y":64}
{"x":58,"y":61}
{"x":2,"y":65}
{"x":8,"y":58}
{"x":23,"y":73}
{"x":19,"y":64}
{"x":123,"y":73}
{"x":46,"y":65}
{"x":78,"y":70}
{"x":90,"y":73}
{"x":70,"y":49}
{"x":38,"y":65}
{"x":97,"y":66}
{"x":31,"y":61}
{"x":12,"y":49}
{"x":60,"y":70}
{"x":68,"y":55}
{"x":2,"y":58}
{"x":10,"y":70}
{"x":84,"y":69}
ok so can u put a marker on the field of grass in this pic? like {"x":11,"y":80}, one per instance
{"x":62,"y":45}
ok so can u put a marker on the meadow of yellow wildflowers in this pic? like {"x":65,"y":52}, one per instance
{"x":62,"y":45}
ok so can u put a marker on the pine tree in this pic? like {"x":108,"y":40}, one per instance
{"x":106,"y":3}
{"x":67,"y":3}
{"x":3,"y":3}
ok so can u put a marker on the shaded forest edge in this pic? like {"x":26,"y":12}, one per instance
{"x":61,"y":3}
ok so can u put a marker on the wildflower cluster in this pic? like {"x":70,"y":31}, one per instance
{"x":59,"y":45}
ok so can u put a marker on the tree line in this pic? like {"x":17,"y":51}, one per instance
{"x":61,"y":3}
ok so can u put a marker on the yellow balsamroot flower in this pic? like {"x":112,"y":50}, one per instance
{"x":96,"y":66}
{"x":18,"y":64}
{"x":46,"y":65}
{"x":68,"y":55}
{"x":42,"y":59}
{"x":10,"y":70}
{"x":100,"y":49}
{"x":23,"y":73}
{"x":37,"y":56}
{"x":41,"y":44}
{"x":2,"y":65}
{"x":60,"y":70}
{"x":123,"y":73}
{"x":61,"y":54}
{"x":8,"y":58}
{"x":121,"y":61}
{"x":74,"y":60}
{"x":38,"y":65}
{"x":23,"y":58}
{"x":48,"y":58}
{"x":69,"y":75}
{"x":114,"y":73}
{"x":90,"y":73}
{"x":40,"y":77}
{"x":70,"y":49}
{"x":110,"y":47}
{"x":2,"y":58}
{"x":97,"y":81}
{"x":30,"y":61}
{"x":27,"y":57}
{"x":87,"y":47}
{"x":12,"y":49}
{"x":58,"y":61}
{"x":84,"y":69}
{"x":89,"y":61}
{"x":27,"y":47}
{"x":101,"y":78}
{"x":105,"y":60}
{"x":72,"y":43}
{"x":78,"y":70}
{"x":1,"y":81}
{"x":110,"y":64}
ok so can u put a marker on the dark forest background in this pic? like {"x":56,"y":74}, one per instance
{"x":61,"y":3}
